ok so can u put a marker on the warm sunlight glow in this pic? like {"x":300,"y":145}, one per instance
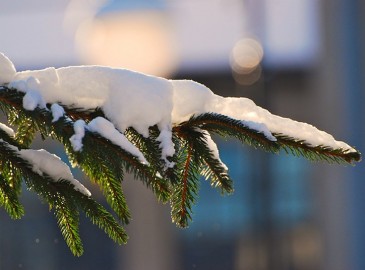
{"x":245,"y":61}
{"x":134,"y":40}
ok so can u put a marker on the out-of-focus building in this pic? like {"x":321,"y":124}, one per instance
{"x":300,"y":59}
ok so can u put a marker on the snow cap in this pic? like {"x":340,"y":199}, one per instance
{"x":7,"y":69}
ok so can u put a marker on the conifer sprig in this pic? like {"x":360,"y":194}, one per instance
{"x":316,"y":153}
{"x":227,"y":127}
{"x":195,"y":159}
{"x":185,"y":192}
{"x":64,"y":200}
{"x":106,"y":164}
{"x":9,"y":197}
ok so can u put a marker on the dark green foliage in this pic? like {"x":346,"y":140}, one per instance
{"x":185,"y":191}
{"x":106,"y":164}
{"x":9,"y":198}
{"x":227,"y":127}
{"x":301,"y":148}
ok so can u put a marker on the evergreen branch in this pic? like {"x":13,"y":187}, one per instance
{"x":10,"y":183}
{"x":102,"y":218}
{"x":64,"y":200}
{"x":9,"y":199}
{"x":151,"y":150}
{"x":40,"y":119}
{"x":62,"y":130}
{"x":302,"y":148}
{"x":173,"y":174}
{"x":68,"y":221}
{"x":188,"y":166}
{"x":149,"y":146}
{"x":106,"y":162}
{"x":119,"y":158}
{"x":4,"y":136}
{"x":108,"y":175}
{"x":25,"y":132}
{"x":229,"y":127}
{"x":182,"y":197}
{"x":184,"y":188}
{"x":209,"y":166}
{"x":80,"y":113}
{"x":226,"y":126}
{"x":213,"y":169}
{"x":67,"y":215}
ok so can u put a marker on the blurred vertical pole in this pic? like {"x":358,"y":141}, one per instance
{"x":152,"y":240}
{"x":352,"y":45}
{"x":267,"y":184}
{"x":330,"y":183}
{"x":265,"y":239}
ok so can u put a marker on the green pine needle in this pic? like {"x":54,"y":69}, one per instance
{"x":68,"y":221}
{"x":228,"y":127}
{"x":9,"y":199}
{"x":106,"y":164}
{"x":102,"y":218}
{"x":185,"y":192}
{"x":316,"y":153}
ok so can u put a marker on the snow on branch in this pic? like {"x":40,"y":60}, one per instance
{"x":44,"y":162}
{"x":113,"y":121}
{"x":131,"y":99}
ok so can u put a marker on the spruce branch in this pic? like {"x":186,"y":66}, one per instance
{"x":25,"y":132}
{"x":62,"y":130}
{"x":185,"y":191}
{"x":68,"y":221}
{"x":111,"y":155}
{"x":102,"y":218}
{"x":10,"y":183}
{"x":108,"y":174}
{"x":314,"y":153}
{"x":227,"y":127}
{"x":44,"y":186}
{"x":9,"y":198}
{"x":65,"y":201}
{"x":149,"y":146}
{"x":106,"y":163}
{"x":212,"y":168}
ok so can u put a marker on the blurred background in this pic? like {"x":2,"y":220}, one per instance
{"x":302,"y":59}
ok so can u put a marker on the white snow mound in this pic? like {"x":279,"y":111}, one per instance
{"x":44,"y":162}
{"x":7,"y":69}
{"x":132,"y":99}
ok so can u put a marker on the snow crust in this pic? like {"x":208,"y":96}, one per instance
{"x":192,"y":98}
{"x":7,"y":69}
{"x":213,"y":148}
{"x":7,"y":129}
{"x":52,"y":165}
{"x":76,"y":139}
{"x":57,"y":112}
{"x":106,"y":129}
{"x":131,"y":99}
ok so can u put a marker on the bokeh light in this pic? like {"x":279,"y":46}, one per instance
{"x":246,"y":58}
{"x":136,"y":40}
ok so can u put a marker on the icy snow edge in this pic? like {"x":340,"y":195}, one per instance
{"x":131,"y":99}
{"x":44,"y":162}
{"x":50,"y":164}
